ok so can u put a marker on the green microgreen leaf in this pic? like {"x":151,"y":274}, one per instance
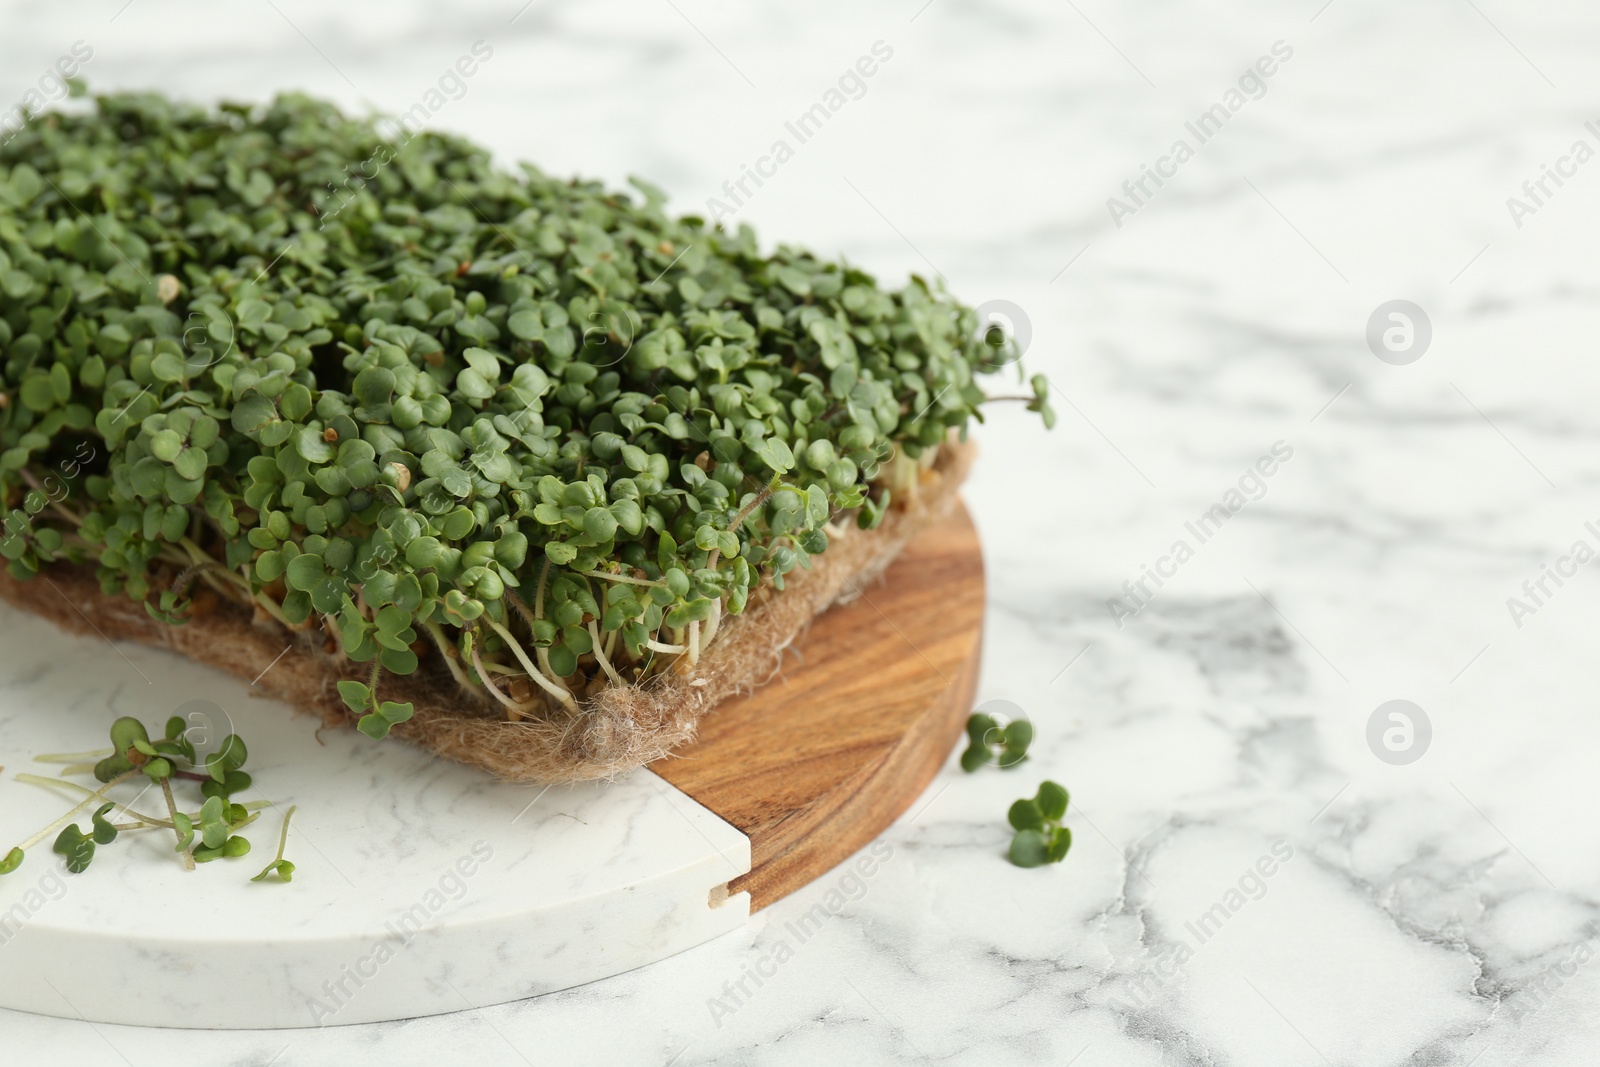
{"x":185,"y":830}
{"x":229,"y":757}
{"x":232,"y":782}
{"x":1029,"y":848}
{"x":355,"y":695}
{"x":75,"y":848}
{"x":104,"y":833}
{"x":213,"y":822}
{"x":1025,"y":815}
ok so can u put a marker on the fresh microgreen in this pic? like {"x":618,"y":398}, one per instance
{"x":203,"y":835}
{"x":528,"y":433}
{"x":74,"y":845}
{"x":280,"y":866}
{"x":1040,"y":838}
{"x":989,"y":740}
{"x":377,"y":716}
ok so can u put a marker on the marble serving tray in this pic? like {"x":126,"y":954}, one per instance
{"x":425,"y":887}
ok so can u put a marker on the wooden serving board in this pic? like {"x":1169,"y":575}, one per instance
{"x":871,"y":698}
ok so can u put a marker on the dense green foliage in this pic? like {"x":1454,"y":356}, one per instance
{"x":433,"y":402}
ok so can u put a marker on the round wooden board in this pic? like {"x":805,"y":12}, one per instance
{"x":821,"y":759}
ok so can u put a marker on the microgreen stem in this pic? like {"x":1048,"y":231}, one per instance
{"x":204,"y":562}
{"x":516,"y":710}
{"x":74,"y":757}
{"x":34,"y":779}
{"x":626,"y":578}
{"x":98,"y":794}
{"x":760,"y":498}
{"x":672,"y":650}
{"x":693,"y":651}
{"x":172,"y":812}
{"x":209,"y":570}
{"x":534,"y":672}
{"x":600,"y":654}
{"x":541,"y":654}
{"x":271,"y":607}
{"x":713,"y":622}
{"x":283,"y":834}
{"x":450,"y":655}
{"x":55,"y":505}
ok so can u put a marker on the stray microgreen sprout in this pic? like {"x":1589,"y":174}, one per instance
{"x":1040,"y":837}
{"x":280,"y":866}
{"x":991,"y":741}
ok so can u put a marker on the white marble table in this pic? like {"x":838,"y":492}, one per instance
{"x":1431,"y":912}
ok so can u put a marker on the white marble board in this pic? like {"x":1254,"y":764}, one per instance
{"x":421,"y":886}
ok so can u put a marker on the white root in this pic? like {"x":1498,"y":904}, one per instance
{"x":600,"y":655}
{"x":516,"y":710}
{"x":712,"y":623}
{"x":533,"y":672}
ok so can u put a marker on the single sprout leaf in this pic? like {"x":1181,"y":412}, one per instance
{"x":229,"y":757}
{"x":232,"y":782}
{"x":1029,"y":849}
{"x":185,"y":827}
{"x":112,"y":767}
{"x":104,"y":832}
{"x":1025,"y":815}
{"x":12,"y":861}
{"x":1052,"y":801}
{"x":355,"y":694}
{"x":128,"y":732}
{"x":77,"y":849}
